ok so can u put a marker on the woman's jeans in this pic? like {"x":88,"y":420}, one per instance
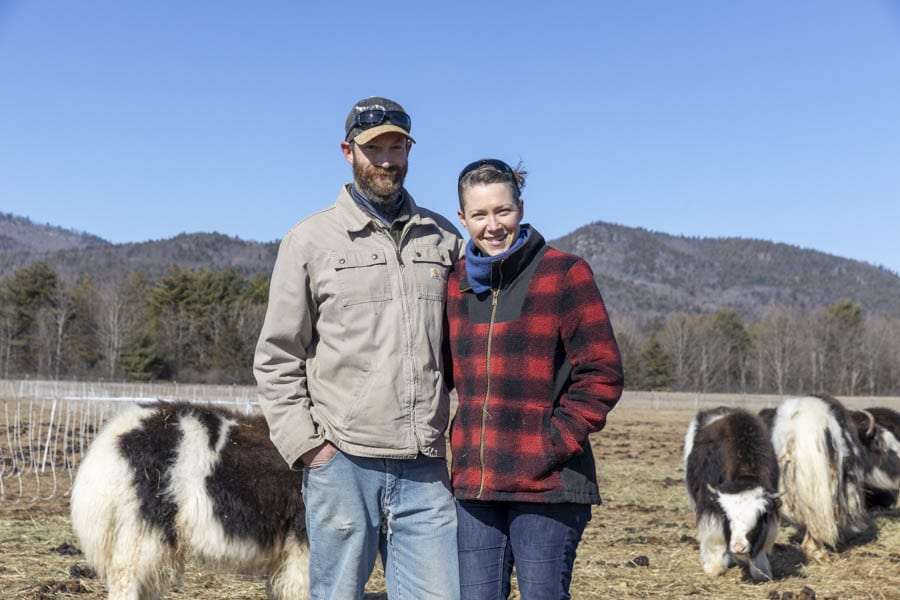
{"x":539,"y":539}
{"x":356,"y":507}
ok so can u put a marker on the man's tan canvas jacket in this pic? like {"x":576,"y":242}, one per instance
{"x":350,"y":351}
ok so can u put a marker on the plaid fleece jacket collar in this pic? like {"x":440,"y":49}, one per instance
{"x":536,"y":369}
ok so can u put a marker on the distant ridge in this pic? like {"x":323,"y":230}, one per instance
{"x":653,"y":274}
{"x":152,"y":258}
{"x":642,"y":273}
{"x":21,"y":234}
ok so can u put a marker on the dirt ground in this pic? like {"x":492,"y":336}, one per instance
{"x":640,"y":544}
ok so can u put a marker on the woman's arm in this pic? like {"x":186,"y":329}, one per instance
{"x":596,"y":380}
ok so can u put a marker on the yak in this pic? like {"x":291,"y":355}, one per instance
{"x":167,"y":480}
{"x":731,"y":476}
{"x":821,"y":465}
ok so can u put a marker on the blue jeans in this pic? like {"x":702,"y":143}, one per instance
{"x":540,"y":539}
{"x":356,"y":507}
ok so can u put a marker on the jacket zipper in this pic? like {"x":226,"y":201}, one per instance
{"x":407,"y":322}
{"x":495,"y":298}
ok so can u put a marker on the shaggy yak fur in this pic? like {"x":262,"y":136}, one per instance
{"x":879,"y":434}
{"x":167,"y":480}
{"x":732,"y":480}
{"x":821,"y":463}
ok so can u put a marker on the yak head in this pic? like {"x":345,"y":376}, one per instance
{"x":881,"y":453}
{"x":751,"y":517}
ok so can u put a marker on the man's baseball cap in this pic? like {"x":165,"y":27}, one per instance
{"x":371,"y":117}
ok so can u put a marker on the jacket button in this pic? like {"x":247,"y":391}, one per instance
{"x":343,"y":260}
{"x":374,"y":257}
{"x":418,"y":255}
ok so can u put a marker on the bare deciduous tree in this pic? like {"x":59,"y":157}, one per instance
{"x":114,"y":321}
{"x":777,"y":344}
{"x":678,"y":339}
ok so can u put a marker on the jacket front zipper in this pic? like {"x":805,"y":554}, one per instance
{"x":407,"y":321}
{"x":495,"y":297}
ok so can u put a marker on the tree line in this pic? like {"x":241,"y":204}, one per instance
{"x":191,"y":325}
{"x":199,"y":325}
{"x":836,"y":349}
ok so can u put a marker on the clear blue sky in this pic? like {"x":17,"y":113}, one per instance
{"x":765,"y":119}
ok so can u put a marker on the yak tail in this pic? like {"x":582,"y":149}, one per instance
{"x":820,"y":476}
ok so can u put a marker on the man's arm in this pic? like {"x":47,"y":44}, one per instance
{"x":596,"y":381}
{"x":280,"y":361}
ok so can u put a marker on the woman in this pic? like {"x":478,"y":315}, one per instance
{"x":536,"y":368}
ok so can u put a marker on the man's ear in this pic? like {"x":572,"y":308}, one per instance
{"x":347,"y":151}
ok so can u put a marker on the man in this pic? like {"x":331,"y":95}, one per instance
{"x":349,"y":370}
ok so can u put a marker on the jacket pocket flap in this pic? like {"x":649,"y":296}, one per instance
{"x":430,"y":254}
{"x":359,"y":259}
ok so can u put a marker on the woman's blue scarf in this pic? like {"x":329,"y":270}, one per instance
{"x":479,"y":266}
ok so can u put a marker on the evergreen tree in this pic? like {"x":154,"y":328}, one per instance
{"x":655,"y":366}
{"x":736,"y":345}
{"x":27,"y":296}
{"x":843,"y":361}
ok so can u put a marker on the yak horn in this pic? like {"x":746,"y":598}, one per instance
{"x":871,"y":428}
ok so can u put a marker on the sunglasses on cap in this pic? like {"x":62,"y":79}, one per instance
{"x":496,"y":164}
{"x":376,"y":116}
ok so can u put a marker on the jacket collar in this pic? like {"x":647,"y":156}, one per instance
{"x":355,"y":219}
{"x":507,"y":270}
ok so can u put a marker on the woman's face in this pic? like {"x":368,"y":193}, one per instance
{"x":491,"y":215}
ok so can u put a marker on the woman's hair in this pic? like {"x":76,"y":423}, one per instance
{"x":491,"y":170}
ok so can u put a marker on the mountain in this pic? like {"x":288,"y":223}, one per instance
{"x":651,"y":274}
{"x":643,"y":273}
{"x":20,"y":234}
{"x":188,"y":250}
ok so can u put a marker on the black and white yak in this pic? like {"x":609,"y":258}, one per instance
{"x":879,"y":434}
{"x":732,"y":480}
{"x":821,"y":463}
{"x":165,"y":481}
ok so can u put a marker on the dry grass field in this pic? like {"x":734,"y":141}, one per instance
{"x":640,"y":544}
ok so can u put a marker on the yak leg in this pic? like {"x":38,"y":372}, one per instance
{"x":143,"y":565}
{"x":713,"y":549}
{"x":291,"y":579}
{"x":812,"y":548}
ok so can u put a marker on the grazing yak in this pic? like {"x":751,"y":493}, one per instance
{"x":879,"y":434}
{"x":821,"y":464}
{"x":732,"y":480}
{"x":167,"y":480}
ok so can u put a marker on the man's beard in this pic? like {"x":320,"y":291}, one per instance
{"x":380,"y":185}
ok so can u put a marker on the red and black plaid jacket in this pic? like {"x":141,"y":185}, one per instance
{"x":536,"y":368}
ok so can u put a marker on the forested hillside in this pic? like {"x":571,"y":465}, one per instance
{"x":689,"y":314}
{"x":110,"y":263}
{"x":648,"y":274}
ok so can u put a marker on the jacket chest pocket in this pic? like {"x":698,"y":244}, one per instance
{"x":362,"y":277}
{"x":430,"y":267}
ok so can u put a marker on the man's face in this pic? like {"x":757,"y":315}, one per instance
{"x":379,"y":165}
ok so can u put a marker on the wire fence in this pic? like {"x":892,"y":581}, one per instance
{"x":48,"y":425}
{"x":694,"y":401}
{"x":46,"y":389}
